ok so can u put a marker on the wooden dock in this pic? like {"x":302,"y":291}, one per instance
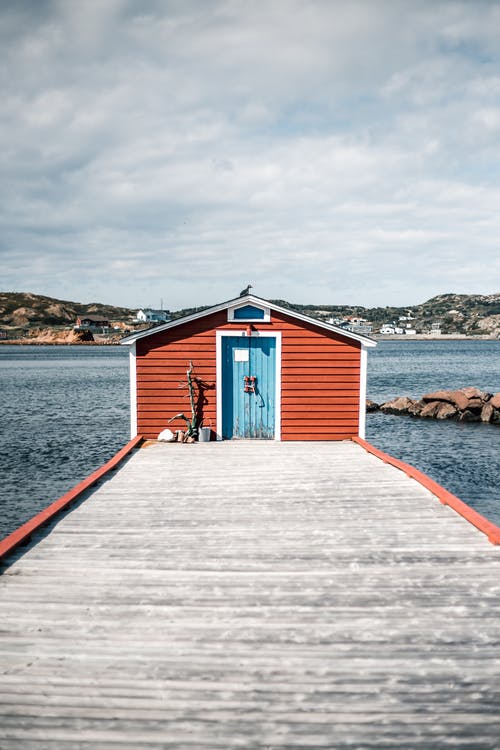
{"x":252,"y":595}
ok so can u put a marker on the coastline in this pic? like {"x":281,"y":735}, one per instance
{"x":429,"y":337}
{"x":375,"y":337}
{"x":60,"y":343}
{"x":34,"y":342}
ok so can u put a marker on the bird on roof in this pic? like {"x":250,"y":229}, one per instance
{"x":246,"y":290}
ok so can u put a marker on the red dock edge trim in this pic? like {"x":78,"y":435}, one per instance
{"x":446,"y":498}
{"x":23,"y":533}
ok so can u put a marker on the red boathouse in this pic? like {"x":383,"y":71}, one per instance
{"x":262,"y":371}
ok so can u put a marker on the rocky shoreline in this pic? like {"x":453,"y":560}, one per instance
{"x":468,"y":404}
{"x":48,"y":337}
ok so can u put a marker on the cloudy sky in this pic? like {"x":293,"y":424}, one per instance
{"x":327,"y":151}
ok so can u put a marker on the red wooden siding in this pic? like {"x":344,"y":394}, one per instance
{"x":320,"y":377}
{"x":319,"y":382}
{"x":162,"y":362}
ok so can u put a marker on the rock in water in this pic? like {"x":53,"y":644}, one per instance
{"x":495,"y":401}
{"x":475,"y":404}
{"x":487,"y":413}
{"x":416,"y":408}
{"x":430,"y":409}
{"x":445,"y":411}
{"x":438,"y":396}
{"x":397,"y":405}
{"x":469,"y":416}
{"x":472,"y":392}
{"x":465,"y":405}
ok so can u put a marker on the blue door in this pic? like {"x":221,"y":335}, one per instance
{"x":248,"y":386}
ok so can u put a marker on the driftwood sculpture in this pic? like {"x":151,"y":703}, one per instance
{"x":191,"y":422}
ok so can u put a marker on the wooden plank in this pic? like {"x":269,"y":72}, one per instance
{"x":160,"y":402}
{"x":335,"y":388}
{"x":153,"y":423}
{"x":317,"y":402}
{"x":153,"y":348}
{"x":154,"y":415}
{"x":320,"y":429}
{"x":24,"y":532}
{"x":295,"y":333}
{"x":315,"y":436}
{"x":341,"y":415}
{"x":327,"y":351}
{"x":444,"y":496}
{"x":306,"y":378}
{"x":159,"y":388}
{"x":178,"y":366}
{"x":167,"y":395}
{"x":326,"y":368}
{"x":178,"y":362}
{"x":319,"y":356}
{"x":174,"y":370}
{"x":172,"y":378}
{"x":203,"y":343}
{"x":321,"y":408}
{"x":252,"y":594}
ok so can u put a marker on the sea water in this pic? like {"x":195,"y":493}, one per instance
{"x":463,"y":457}
{"x":65,"y":411}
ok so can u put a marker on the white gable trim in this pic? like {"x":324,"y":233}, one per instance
{"x":250,"y":299}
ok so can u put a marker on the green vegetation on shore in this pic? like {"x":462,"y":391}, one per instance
{"x":470,"y":314}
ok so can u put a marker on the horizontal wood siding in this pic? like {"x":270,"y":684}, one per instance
{"x":320,"y":373}
{"x":162,"y":362}
{"x":319,"y":382}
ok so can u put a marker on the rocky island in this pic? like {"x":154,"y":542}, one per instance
{"x":464,"y":405}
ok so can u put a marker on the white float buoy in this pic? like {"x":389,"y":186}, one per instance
{"x":166,"y":435}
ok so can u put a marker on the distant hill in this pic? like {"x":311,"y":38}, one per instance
{"x":471,"y":314}
{"x":26,"y":310}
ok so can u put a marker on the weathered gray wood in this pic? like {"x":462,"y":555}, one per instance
{"x":253,"y":595}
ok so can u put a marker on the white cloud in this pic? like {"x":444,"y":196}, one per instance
{"x":320,"y":150}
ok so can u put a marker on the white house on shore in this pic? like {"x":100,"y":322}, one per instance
{"x":394,"y":330}
{"x":147,"y":315}
{"x":391,"y":330}
{"x":353,"y":324}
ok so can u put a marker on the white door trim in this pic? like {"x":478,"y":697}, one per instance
{"x":218,"y":356}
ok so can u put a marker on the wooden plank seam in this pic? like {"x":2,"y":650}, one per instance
{"x":24,"y":532}
{"x":443,"y":495}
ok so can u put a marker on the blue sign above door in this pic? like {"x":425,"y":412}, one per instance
{"x":248,"y":387}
